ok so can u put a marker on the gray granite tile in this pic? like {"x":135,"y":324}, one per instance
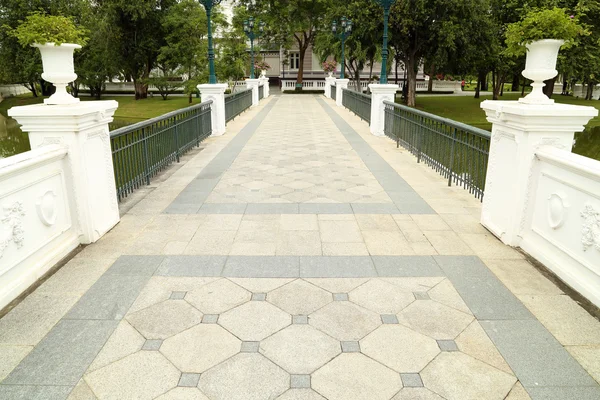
{"x":109,"y":298}
{"x":564,"y":393}
{"x":135,"y":265}
{"x":188,"y":379}
{"x":447,"y":345}
{"x":300,"y":381}
{"x":176,"y":208}
{"x":210,"y":318}
{"x":259,"y":297}
{"x":177,"y":295}
{"x":214,"y":208}
{"x":350,"y":347}
{"x":389,"y":319}
{"x":374,"y":208}
{"x":272,"y":208}
{"x":421,"y":295}
{"x":152,"y":344}
{"x":535,"y":356}
{"x":250,"y":347}
{"x":409,"y":266}
{"x":340,"y":297}
{"x":64,"y":354}
{"x":325,"y":208}
{"x":336,"y":267}
{"x":191,"y":266}
{"x":34,"y":392}
{"x":262,"y":267}
{"x":300,"y":319}
{"x":411,"y":380}
{"x":483,"y":293}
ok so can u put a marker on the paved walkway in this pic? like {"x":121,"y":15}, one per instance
{"x":299,"y":257}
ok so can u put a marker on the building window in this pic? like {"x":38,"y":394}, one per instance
{"x":294,"y":61}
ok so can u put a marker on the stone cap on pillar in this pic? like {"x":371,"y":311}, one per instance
{"x":539,"y":117}
{"x":64,"y":118}
{"x":253,"y":82}
{"x":213,"y":88}
{"x":383,"y":88}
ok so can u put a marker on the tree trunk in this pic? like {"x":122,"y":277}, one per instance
{"x":484,"y":82}
{"x":412,"y":82}
{"x":523,"y":86}
{"x":479,"y":83}
{"x":549,"y":88}
{"x":565,"y":87}
{"x":516,"y":82}
{"x":590,"y":91}
{"x":430,"y":83}
{"x":301,"y":67}
{"x":396,"y":71}
{"x":31,"y":87}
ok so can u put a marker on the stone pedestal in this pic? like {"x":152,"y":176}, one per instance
{"x":379,"y":94}
{"x":329,"y":81}
{"x":340,"y":84}
{"x":216,"y":93}
{"x":265,"y":84}
{"x":253,"y":84}
{"x":519,"y":130}
{"x":83,"y":129}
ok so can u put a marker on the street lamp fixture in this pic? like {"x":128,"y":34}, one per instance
{"x":251,"y":34}
{"x":386,"y":4}
{"x":208,"y":5}
{"x":342,"y":32}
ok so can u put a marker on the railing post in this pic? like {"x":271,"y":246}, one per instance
{"x":379,"y":94}
{"x":420,"y":144}
{"x":177,"y":141}
{"x":518,"y":132}
{"x":340,"y":85}
{"x":253,"y":84}
{"x":83,"y":129}
{"x":216,"y":93}
{"x":451,"y":165}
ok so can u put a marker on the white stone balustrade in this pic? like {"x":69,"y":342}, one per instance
{"x":379,"y":94}
{"x":216,"y":93}
{"x":340,"y":85}
{"x":541,"y":197}
{"x":254,"y":84}
{"x":58,"y":195}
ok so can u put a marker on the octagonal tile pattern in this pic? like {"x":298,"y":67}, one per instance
{"x":286,"y":297}
{"x":300,"y":349}
{"x":434,"y":319}
{"x":353,"y":376}
{"x":200,"y":348}
{"x":165,"y":319}
{"x":345,"y":321}
{"x":255,"y":320}
{"x":218,"y":297}
{"x":246,"y":376}
{"x":381,"y":297}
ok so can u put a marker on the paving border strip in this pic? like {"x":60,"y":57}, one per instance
{"x":543,"y":366}
{"x":195,"y":194}
{"x":404,"y":198}
{"x":402,"y":194}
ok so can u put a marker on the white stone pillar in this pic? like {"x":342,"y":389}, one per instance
{"x":253,"y":84}
{"x":340,"y":84}
{"x":83,"y":128}
{"x":379,"y":94}
{"x":216,"y":93}
{"x":329,"y":81}
{"x":519,"y":130}
{"x":265,"y":84}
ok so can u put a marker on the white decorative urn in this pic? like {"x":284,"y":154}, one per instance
{"x":330,"y":74}
{"x":540,"y":65}
{"x":263,"y":73}
{"x":59,"y":70}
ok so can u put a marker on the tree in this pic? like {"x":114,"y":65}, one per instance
{"x":290,"y":22}
{"x":233,"y":58}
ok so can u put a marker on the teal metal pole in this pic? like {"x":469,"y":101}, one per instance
{"x":212,"y":76}
{"x":343,"y":56}
{"x":252,"y":56}
{"x":384,"y":50}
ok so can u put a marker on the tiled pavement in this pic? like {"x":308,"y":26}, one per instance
{"x":370,"y":279}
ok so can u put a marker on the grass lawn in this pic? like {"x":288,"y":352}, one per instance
{"x":466,"y":110}
{"x":129,"y":108}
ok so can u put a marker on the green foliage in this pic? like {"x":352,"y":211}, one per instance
{"x":538,"y":24}
{"x":41,"y":28}
{"x":165,"y":84}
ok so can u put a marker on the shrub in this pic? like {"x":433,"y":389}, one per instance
{"x":541,"y":24}
{"x":40,"y":28}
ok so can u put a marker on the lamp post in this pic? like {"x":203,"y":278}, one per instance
{"x":208,"y":5}
{"x":249,"y":31}
{"x":345,"y":31}
{"x":386,"y":4}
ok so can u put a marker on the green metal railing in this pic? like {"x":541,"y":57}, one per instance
{"x":358,"y":103}
{"x":261,"y":92}
{"x":333,"y":93}
{"x":141,"y":150}
{"x":457,"y":151}
{"x":237,"y":103}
